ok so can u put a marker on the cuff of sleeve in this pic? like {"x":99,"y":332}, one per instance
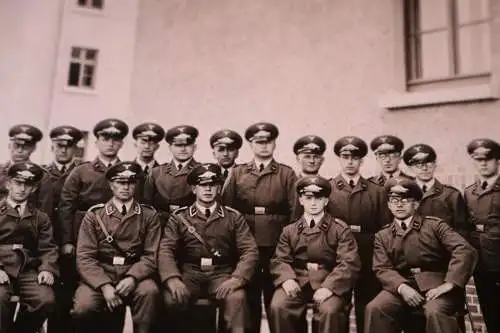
{"x":165,"y":277}
{"x":99,"y":283}
{"x":399,"y":288}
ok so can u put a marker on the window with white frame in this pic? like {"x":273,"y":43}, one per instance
{"x":447,"y":40}
{"x":82,"y":67}
{"x":91,"y":4}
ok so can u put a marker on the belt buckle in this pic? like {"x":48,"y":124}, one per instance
{"x":415,"y":270}
{"x":259,"y":210}
{"x":174,"y":207}
{"x":118,"y":261}
{"x":17,"y":246}
{"x":355,"y":228}
{"x":312,"y":266}
{"x":206,"y":264}
{"x":480,"y":227}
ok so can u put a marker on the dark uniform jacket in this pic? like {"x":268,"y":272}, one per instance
{"x":138,"y":232}
{"x":41,"y":198}
{"x":26,"y":242}
{"x":166,"y":188}
{"x":226,"y":231}
{"x":364,"y":208}
{"x":484,"y":215}
{"x":428,"y":254}
{"x":57,"y":178}
{"x":380,"y":179}
{"x":85,"y":186}
{"x":330,"y":245}
{"x":266,"y":199}
{"x":447,"y":203}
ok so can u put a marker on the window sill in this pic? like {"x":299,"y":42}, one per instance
{"x":481,"y":92}
{"x":82,"y":91}
{"x":88,"y":11}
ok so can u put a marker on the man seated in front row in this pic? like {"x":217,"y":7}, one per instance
{"x":207,"y":250}
{"x":28,"y":253}
{"x":422,"y":263}
{"x":116,"y":258}
{"x":316,"y":260}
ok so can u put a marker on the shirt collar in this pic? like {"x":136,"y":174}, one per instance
{"x":119,"y":204}
{"x":258,"y":162}
{"x":144,"y":165}
{"x":407,"y":221}
{"x":490,"y":180}
{"x":316,"y":218}
{"x":183,"y":164}
{"x":59,"y":166}
{"x":396,"y":173}
{"x":202,"y":209}
{"x":355,"y":179}
{"x":14,"y":204}
{"x":429,"y":184}
{"x":106,"y":163}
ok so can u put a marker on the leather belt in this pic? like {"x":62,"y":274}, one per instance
{"x":263,"y":210}
{"x":11,"y":247}
{"x":222,"y":261}
{"x":311,"y":265}
{"x":116,"y":260}
{"x":174,"y":207}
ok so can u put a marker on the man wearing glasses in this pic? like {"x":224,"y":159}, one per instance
{"x":362,"y":205}
{"x":387,"y":149}
{"x":430,"y":280}
{"x":440,"y":200}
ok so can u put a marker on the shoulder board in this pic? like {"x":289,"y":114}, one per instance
{"x":180,"y":210}
{"x":94,"y":207}
{"x":470,"y":186}
{"x":285,"y":166}
{"x":450,"y":187}
{"x":231,"y":209}
{"x":148,"y":206}
{"x":341,"y":222}
{"x":433,"y":218}
{"x":385,"y":226}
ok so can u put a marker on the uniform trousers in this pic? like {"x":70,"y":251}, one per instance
{"x":204,"y":284}
{"x":37,"y":302}
{"x":91,"y":315}
{"x":287,"y":315}
{"x":389,"y":313}
{"x":488,"y":292}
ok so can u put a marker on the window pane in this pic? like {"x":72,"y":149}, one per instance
{"x":472,"y":10}
{"x":432,"y":14}
{"x":90,"y":54}
{"x":75,"y":52}
{"x":434,"y":55}
{"x":97,"y":3}
{"x":74,"y":74}
{"x":474,"y":49}
{"x":82,"y":2}
{"x":87,"y":81}
{"x":88,"y":70}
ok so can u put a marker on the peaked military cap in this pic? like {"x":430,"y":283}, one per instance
{"x":25,"y":134}
{"x":420,"y":153}
{"x":403,"y":188}
{"x":26,"y":172}
{"x":124,"y":171}
{"x":227,"y":138}
{"x":182,"y":135}
{"x":261,"y":132}
{"x":387,"y":144}
{"x":314,"y":185}
{"x":483,"y":149}
{"x":66,"y":135}
{"x":111,"y":128}
{"x":208,"y":173}
{"x":149,"y":131}
{"x":350,"y":145}
{"x":309,"y":144}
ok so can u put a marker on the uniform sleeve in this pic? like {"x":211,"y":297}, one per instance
{"x":45,"y":196}
{"x":463,"y":256}
{"x":166,"y":253}
{"x":147,"y":264}
{"x":281,"y":263}
{"x":348,"y":264}
{"x":67,"y":206}
{"x":87,"y":250}
{"x":247,"y":250}
{"x":460,"y":214}
{"x":384,"y":269}
{"x":47,"y":248}
{"x":148,"y":191}
{"x":291,"y":179}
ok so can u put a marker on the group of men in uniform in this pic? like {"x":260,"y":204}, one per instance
{"x":79,"y":240}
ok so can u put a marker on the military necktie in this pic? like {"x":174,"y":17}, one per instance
{"x":63,"y":169}
{"x":146,"y":170}
{"x":424,"y":188}
{"x":207,"y":213}
{"x":18,"y":209}
{"x":403,"y":225}
{"x":179,"y":167}
{"x":261,"y":167}
{"x":484,"y":185}
{"x":312,"y":224}
{"x":351,"y":183}
{"x":110,"y":165}
{"x":225,"y":173}
{"x":124,"y":210}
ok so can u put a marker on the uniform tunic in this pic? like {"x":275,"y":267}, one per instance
{"x":180,"y":256}
{"x":425,"y":256}
{"x":380,"y":179}
{"x":364,"y":209}
{"x":484,"y":216}
{"x":331,"y":246}
{"x":138,"y":232}
{"x":36,"y":251}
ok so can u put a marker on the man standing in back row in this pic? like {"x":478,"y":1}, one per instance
{"x":264,"y":191}
{"x":387,"y":149}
